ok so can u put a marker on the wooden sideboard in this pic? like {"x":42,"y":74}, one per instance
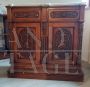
{"x":46,"y":41}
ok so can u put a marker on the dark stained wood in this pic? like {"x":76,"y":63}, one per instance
{"x":26,"y":14}
{"x":65,"y":77}
{"x":63,"y":15}
{"x":58,"y":31}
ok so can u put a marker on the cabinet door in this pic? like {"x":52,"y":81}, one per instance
{"x":63,"y":43}
{"x":26,"y":45}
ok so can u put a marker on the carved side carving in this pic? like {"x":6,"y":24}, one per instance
{"x":62,"y":42}
{"x":32,"y":14}
{"x":44,"y":46}
{"x":44,"y":30}
{"x":64,"y":14}
{"x":80,"y":33}
{"x":44,"y":39}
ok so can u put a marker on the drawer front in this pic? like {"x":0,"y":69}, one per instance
{"x":63,"y":15}
{"x":26,"y":14}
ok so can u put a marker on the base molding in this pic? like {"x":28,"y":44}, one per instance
{"x":65,"y":77}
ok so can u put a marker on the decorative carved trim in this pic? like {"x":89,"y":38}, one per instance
{"x":32,"y":14}
{"x":64,"y":14}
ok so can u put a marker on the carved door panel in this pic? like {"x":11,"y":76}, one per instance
{"x":63,"y":42}
{"x":26,"y":42}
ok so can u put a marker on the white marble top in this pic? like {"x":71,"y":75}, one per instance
{"x":47,"y":4}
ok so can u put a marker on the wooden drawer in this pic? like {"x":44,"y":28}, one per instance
{"x":26,"y":14}
{"x":56,"y":14}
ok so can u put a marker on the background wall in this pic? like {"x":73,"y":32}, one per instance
{"x":86,"y":37}
{"x":86,"y":33}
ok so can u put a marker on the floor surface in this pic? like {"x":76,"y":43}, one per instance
{"x":13,"y":82}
